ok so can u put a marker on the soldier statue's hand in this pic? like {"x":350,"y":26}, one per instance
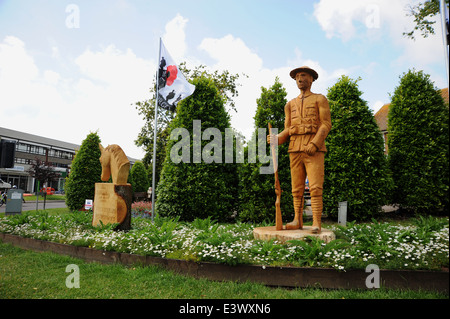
{"x":311,"y":149}
{"x":271,"y":138}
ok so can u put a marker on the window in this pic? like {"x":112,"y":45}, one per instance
{"x":21,"y":147}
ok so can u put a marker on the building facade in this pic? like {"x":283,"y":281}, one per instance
{"x":30,"y":147}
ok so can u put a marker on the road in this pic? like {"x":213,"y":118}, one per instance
{"x":32,"y":205}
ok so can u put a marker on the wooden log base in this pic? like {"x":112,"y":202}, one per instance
{"x":270,"y":232}
{"x":112,"y":204}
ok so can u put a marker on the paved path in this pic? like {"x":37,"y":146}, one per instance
{"x":32,"y":205}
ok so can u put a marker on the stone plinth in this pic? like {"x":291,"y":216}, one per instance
{"x":268,"y":233}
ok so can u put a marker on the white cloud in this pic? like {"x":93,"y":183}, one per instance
{"x":51,"y":77}
{"x":113,"y":81}
{"x":101,"y":98}
{"x":347,"y":18}
{"x":114,"y":67}
{"x":234,"y":55}
{"x":174,"y":38}
{"x":370,"y":19}
{"x":421,"y":52}
{"x":20,"y":82}
{"x":55,"y":52}
{"x":15,"y":64}
{"x":336,"y":17}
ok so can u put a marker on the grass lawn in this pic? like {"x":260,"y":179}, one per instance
{"x":32,"y":198}
{"x":33,"y":275}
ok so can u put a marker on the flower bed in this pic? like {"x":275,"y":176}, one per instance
{"x":141,"y":209}
{"x":422,"y":245}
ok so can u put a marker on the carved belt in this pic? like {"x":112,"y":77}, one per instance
{"x":303,"y":129}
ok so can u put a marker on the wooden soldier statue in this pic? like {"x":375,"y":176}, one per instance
{"x":306,"y":126}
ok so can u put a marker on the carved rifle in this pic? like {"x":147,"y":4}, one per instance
{"x":278,"y":218}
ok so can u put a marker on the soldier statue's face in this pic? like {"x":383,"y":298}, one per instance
{"x":304,"y":80}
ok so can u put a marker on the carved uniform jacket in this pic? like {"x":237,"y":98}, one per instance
{"x":307,"y":120}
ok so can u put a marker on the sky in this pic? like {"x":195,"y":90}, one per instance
{"x":69,"y":68}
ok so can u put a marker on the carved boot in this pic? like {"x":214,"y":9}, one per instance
{"x":316,"y":206}
{"x":297,"y":223}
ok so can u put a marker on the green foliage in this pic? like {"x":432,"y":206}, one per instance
{"x":145,"y":138}
{"x":106,"y":227}
{"x":216,"y":237}
{"x":424,"y":17}
{"x":426,"y":225}
{"x":139,"y":177}
{"x":162,"y":230}
{"x":313,"y":250}
{"x":83,"y":218}
{"x":204,"y":224}
{"x":421,"y":243}
{"x":269,"y":249}
{"x":225,"y":82}
{"x":198,"y":190}
{"x":257,"y":192}
{"x":18,"y":219}
{"x":419,"y":144}
{"x":85,"y":172}
{"x":44,"y":271}
{"x":355,"y":164}
{"x":43,"y":171}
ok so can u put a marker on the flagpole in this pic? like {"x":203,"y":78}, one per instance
{"x":154,"y":135}
{"x":443,"y":10}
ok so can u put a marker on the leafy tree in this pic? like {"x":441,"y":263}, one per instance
{"x":418,"y":143}
{"x":257,"y":192}
{"x":190,"y":189}
{"x":139,"y":177}
{"x":85,"y":172}
{"x":422,"y":13}
{"x":43,"y":171}
{"x":355,"y":164}
{"x":226,"y":83}
{"x":145,"y":138}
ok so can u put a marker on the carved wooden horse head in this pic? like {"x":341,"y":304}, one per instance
{"x":114,"y":163}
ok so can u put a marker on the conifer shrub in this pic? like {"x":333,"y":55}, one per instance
{"x":139,"y":177}
{"x":257,"y":191}
{"x":191,"y":189}
{"x":355,"y":165}
{"x":418,"y":144}
{"x":84,"y":173}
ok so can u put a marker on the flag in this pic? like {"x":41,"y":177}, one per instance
{"x":172,"y":85}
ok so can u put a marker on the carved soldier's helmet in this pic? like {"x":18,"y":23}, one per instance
{"x":306,"y":69}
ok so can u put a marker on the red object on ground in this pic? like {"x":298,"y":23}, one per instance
{"x":48,"y":190}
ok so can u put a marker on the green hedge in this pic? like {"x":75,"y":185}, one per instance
{"x":191,"y":190}
{"x":84,"y":173}
{"x":418,"y":144}
{"x":257,"y":191}
{"x":139,"y":178}
{"x":355,"y":164}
